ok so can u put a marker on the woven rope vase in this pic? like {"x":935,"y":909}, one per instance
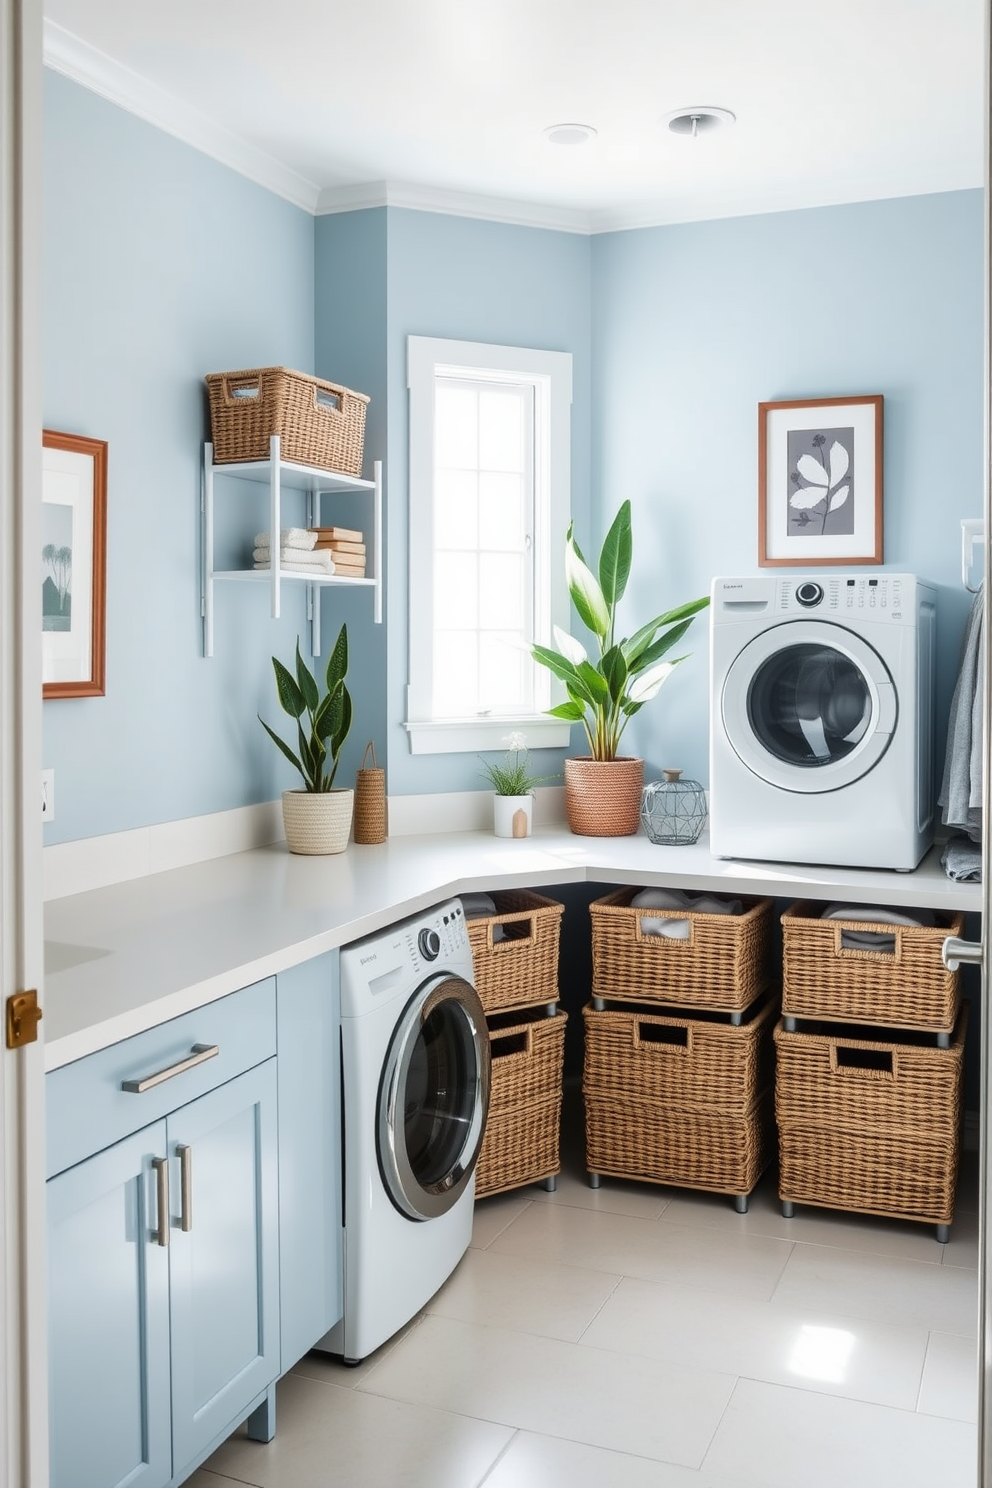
{"x":603,"y":797}
{"x":317,"y":822}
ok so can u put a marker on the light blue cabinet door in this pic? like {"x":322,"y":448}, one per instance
{"x":308,"y":1032}
{"x":109,"y":1321}
{"x":225,"y":1264}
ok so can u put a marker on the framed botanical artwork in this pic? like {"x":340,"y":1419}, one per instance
{"x":73,"y":565}
{"x":820,"y":481}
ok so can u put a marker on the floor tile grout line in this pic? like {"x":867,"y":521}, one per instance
{"x":498,"y":1458}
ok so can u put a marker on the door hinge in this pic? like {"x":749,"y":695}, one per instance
{"x":23,"y":1017}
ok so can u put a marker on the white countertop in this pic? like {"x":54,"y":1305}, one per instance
{"x":122,"y":959}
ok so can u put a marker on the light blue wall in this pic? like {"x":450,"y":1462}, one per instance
{"x":694,"y":325}
{"x":473,"y":281}
{"x":350,"y":348}
{"x":160,"y":266}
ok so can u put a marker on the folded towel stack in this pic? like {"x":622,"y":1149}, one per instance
{"x":479,"y":906}
{"x":346,"y":547}
{"x":875,"y":940}
{"x":676,"y":929}
{"x":297,"y":552}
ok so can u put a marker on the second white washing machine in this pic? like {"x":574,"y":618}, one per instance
{"x":415,"y":1067}
{"x":821,"y":719}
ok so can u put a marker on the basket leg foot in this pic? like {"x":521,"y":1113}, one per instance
{"x":943,"y":1041}
{"x":550,"y":1009}
{"x":550,"y":1184}
{"x":740,"y":1203}
{"x":790,"y":1025}
{"x":788,"y":1208}
{"x":943,"y":1233}
{"x":736,"y":1019}
{"x":594,"y":1180}
{"x":599,"y":1003}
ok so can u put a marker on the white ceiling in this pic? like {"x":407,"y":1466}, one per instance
{"x":443,"y":103}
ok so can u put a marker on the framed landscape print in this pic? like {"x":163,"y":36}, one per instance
{"x":73,"y":565}
{"x":820,"y":482}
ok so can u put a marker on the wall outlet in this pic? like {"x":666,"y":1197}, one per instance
{"x":48,"y":795}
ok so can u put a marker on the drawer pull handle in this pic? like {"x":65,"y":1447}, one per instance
{"x":199,"y":1054}
{"x":185,"y":1188}
{"x":161,"y":1166}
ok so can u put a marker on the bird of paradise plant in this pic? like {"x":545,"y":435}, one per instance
{"x":605,"y":693}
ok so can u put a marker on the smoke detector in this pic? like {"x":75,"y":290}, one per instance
{"x":569,"y":134}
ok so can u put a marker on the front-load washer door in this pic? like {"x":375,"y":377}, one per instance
{"x":434,"y":1098}
{"x":809,"y":706}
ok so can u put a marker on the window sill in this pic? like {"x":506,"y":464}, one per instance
{"x":469,"y":735}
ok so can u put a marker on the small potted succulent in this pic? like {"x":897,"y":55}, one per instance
{"x":318,"y":817}
{"x":511,"y":779}
{"x":603,"y":789}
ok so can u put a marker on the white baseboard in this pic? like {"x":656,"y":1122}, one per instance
{"x":97,"y":862}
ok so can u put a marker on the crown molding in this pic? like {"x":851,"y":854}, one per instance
{"x":420,"y":198}
{"x":85,"y":64}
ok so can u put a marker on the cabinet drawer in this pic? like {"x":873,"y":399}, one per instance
{"x":87,"y":1106}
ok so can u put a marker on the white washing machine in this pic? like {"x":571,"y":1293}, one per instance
{"x":821,"y":722}
{"x":415,"y":1064}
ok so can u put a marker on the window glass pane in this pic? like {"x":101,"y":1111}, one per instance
{"x":456,"y":687}
{"x":456,"y":591}
{"x":503,"y":673}
{"x":456,"y":508}
{"x":456,"y":426}
{"x":501,"y":511}
{"x":501,"y":429}
{"x":501,"y":591}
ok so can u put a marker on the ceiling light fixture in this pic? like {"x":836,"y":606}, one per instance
{"x":696,"y":121}
{"x":569,"y":134}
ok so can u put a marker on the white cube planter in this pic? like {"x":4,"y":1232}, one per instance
{"x":513,"y":816}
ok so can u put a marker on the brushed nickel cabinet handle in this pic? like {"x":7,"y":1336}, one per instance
{"x":161,"y":1166}
{"x":185,"y":1188}
{"x":199,"y":1054}
{"x":955,"y":953}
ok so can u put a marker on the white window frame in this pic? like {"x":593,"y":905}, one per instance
{"x":549,"y":373}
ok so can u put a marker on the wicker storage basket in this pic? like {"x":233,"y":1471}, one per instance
{"x":869,"y":1124}
{"x":690,"y":1063}
{"x":319,"y":423}
{"x":521,"y":1142}
{"x":521,"y":969}
{"x":723,"y":964}
{"x":676,"y":1099}
{"x":906,"y":988}
{"x":651,"y":1141}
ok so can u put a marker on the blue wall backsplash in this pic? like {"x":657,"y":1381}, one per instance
{"x":162,"y":265}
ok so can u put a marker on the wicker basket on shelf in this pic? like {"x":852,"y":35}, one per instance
{"x":521,"y":1143}
{"x":521,"y":968}
{"x":869,"y":1123}
{"x":905,"y":987}
{"x":319,"y":423}
{"x":723,"y":963}
{"x":680,"y":1099}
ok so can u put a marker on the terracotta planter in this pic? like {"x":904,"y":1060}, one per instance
{"x":317,"y":822}
{"x":603,"y":797}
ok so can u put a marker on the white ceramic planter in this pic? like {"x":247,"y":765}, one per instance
{"x":513,"y":816}
{"x":317,"y":822}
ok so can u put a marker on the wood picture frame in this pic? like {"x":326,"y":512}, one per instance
{"x":74,"y":565}
{"x":820,"y":482}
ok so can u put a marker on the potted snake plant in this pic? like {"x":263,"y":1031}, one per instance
{"x":606,"y":689}
{"x":317,"y":818}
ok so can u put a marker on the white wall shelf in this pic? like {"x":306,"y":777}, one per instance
{"x":279,"y":474}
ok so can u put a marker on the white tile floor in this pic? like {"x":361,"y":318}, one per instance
{"x":643,"y":1337}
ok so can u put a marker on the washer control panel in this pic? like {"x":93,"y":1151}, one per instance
{"x":878,"y":596}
